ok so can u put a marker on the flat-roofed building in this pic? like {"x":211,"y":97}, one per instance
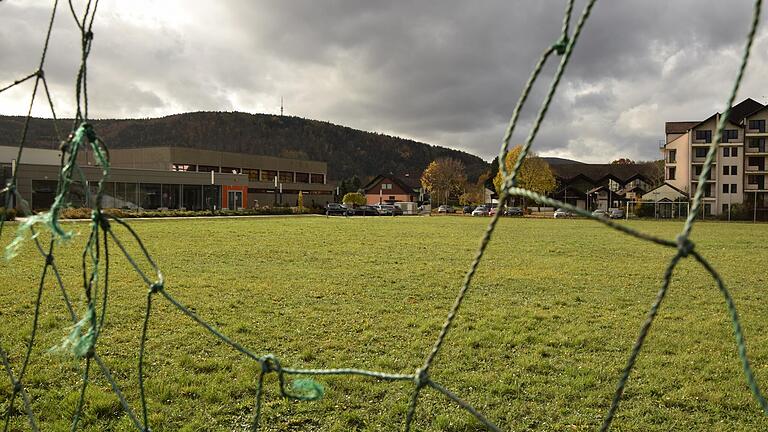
{"x":174,"y":178}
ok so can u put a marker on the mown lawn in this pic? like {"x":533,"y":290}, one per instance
{"x":538,"y":345}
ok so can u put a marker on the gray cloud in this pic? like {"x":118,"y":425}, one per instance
{"x":447,"y":72}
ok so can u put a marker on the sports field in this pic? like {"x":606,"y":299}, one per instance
{"x":538,"y":345}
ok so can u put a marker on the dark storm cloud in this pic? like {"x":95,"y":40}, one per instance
{"x":445,"y":72}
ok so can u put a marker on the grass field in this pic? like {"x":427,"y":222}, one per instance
{"x":538,"y":345}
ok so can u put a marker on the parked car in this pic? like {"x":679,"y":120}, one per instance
{"x":364,"y":210}
{"x":335,"y":209}
{"x":616,"y":213}
{"x":467,"y":209}
{"x":480,"y":211}
{"x":389,"y":210}
{"x":562,"y":213}
{"x":600,"y":213}
{"x":513,"y":211}
{"x":446,"y":209}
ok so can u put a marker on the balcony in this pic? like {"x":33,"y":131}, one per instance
{"x":757,"y":150}
{"x":699,"y":161}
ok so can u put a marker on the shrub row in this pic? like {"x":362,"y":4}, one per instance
{"x":85,"y":213}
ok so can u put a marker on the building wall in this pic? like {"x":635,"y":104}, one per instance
{"x":388,"y":198}
{"x":681,"y":164}
{"x":727,"y":179}
{"x":756,"y":152}
{"x":174,"y":186}
{"x":30,"y":155}
{"x":388,"y":191}
{"x":243,"y":196}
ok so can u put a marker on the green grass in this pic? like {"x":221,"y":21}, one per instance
{"x":538,"y":345}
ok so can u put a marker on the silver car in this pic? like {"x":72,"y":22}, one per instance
{"x":480,"y":211}
{"x":562,"y":213}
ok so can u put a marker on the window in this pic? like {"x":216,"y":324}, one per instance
{"x":285,"y":176}
{"x":268,"y":175}
{"x":734,"y":151}
{"x":734,"y":170}
{"x":253,"y":174}
{"x":697,"y":170}
{"x":726,"y":170}
{"x":386,"y":186}
{"x":700,"y":152}
{"x":704,"y":135}
{"x":184,"y":167}
{"x":302,"y":177}
{"x":733,"y":188}
{"x":671,"y":156}
{"x":758,"y":125}
{"x":726,"y":188}
{"x":671,"y":173}
{"x":207,"y":168}
{"x":730,"y":134}
{"x":230,"y":170}
{"x":317,"y":178}
{"x":726,"y":151}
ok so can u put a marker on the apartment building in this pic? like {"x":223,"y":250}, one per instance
{"x":738,"y":175}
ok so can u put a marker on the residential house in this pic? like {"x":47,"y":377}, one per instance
{"x":389,"y":189}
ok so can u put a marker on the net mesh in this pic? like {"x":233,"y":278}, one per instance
{"x":82,"y":342}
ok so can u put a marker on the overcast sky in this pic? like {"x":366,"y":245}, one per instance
{"x":443,"y":72}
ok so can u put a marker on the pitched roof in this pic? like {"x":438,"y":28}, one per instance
{"x":743,"y":109}
{"x":407,"y":183}
{"x":738,"y":112}
{"x":665,"y":184}
{"x":679,"y":126}
{"x":598,"y":172}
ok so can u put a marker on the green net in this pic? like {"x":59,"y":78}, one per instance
{"x":83,"y":339}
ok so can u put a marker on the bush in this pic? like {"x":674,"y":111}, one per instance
{"x":85,"y":213}
{"x":645,"y":210}
{"x":739,"y":212}
{"x":9,"y":214}
{"x":354,"y":198}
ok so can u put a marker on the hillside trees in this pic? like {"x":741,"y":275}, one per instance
{"x":534,"y":174}
{"x":442,"y":178}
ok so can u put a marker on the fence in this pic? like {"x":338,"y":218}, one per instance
{"x":83,"y":340}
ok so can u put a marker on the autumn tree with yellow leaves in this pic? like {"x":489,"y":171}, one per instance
{"x":534,"y":174}
{"x":443,"y":178}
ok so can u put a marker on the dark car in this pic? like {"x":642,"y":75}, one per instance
{"x":335,"y":209}
{"x":616,"y":213}
{"x":364,"y":210}
{"x":467,"y":209}
{"x":513,"y":211}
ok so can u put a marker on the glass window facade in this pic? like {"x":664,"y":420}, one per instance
{"x":302,"y":177}
{"x":286,"y":177}
{"x":268,"y":175}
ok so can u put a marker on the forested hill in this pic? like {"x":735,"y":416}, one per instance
{"x":348,"y":151}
